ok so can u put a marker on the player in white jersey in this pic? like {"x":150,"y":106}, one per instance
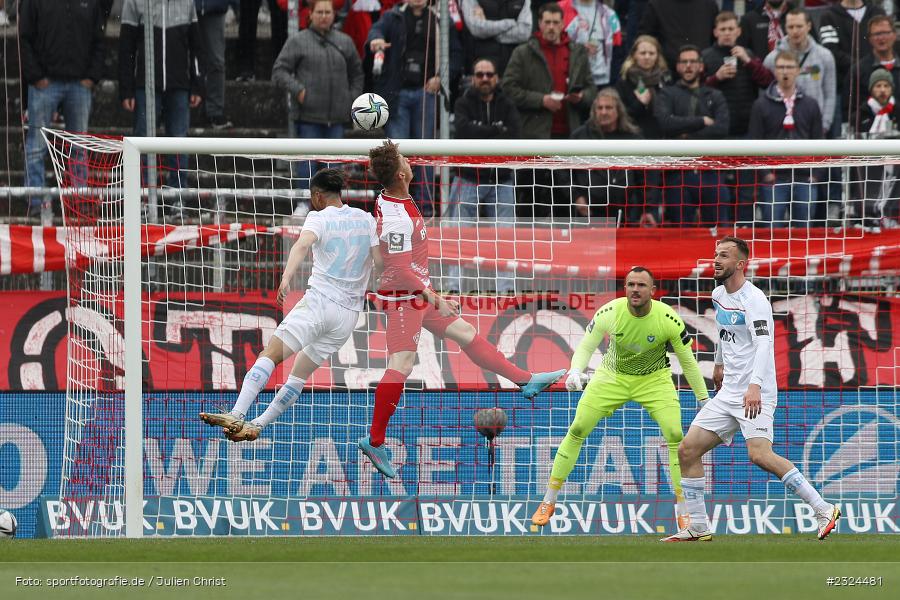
{"x":744,"y":376}
{"x":344,"y":246}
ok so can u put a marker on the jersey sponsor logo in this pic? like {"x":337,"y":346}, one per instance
{"x":727,"y":336}
{"x":590,"y":326}
{"x":761,"y":327}
{"x":729,"y":317}
{"x":685,"y":338}
{"x":395,"y":242}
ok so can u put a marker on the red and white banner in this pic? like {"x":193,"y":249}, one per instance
{"x":27,"y":249}
{"x":563,"y":252}
{"x":822,"y":341}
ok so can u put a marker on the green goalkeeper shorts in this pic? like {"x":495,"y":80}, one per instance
{"x":607,"y":391}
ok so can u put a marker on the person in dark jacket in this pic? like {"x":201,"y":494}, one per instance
{"x":409,"y":80}
{"x":494,"y":28}
{"x":786,"y":113}
{"x":322,"y":73}
{"x":178,"y":85}
{"x":846,"y":35}
{"x":549,"y":79}
{"x":740,"y":76}
{"x":644,"y":73}
{"x":483,"y":112}
{"x":763,"y":28}
{"x":734,"y":71}
{"x":62,"y":60}
{"x":407,"y":38}
{"x":612,"y":194}
{"x":677,"y":23}
{"x":211,"y":21}
{"x":876,"y":189}
{"x":882,"y":37}
{"x":689,"y":110}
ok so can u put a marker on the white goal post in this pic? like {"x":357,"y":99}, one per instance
{"x":640,"y":153}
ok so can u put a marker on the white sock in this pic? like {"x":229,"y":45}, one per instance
{"x":694,"y":501}
{"x":284,"y":399}
{"x":254,"y":382}
{"x":797,"y":483}
{"x":553,"y":487}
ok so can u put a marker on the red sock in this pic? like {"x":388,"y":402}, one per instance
{"x":488,"y":357}
{"x":387,"y":395}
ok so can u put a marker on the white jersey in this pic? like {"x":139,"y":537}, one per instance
{"x":746,"y":329}
{"x":341,"y":256}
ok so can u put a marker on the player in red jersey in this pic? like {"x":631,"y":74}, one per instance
{"x":410,"y":304}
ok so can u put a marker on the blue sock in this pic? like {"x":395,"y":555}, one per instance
{"x":284,"y":399}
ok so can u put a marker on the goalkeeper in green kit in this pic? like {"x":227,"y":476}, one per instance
{"x":635,"y":367}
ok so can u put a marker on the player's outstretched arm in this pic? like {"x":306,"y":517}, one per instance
{"x":298,"y":253}
{"x":593,"y":336}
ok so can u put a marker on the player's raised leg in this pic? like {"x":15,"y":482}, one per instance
{"x":289,"y":393}
{"x":763,"y":456}
{"x":485,"y":355}
{"x":695,"y":444}
{"x":254,"y":382}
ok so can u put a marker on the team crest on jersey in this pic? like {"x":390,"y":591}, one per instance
{"x":395,"y":242}
{"x":734,"y":318}
{"x":651,"y":338}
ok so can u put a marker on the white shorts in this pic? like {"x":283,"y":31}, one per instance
{"x":723,"y":414}
{"x":317,"y":326}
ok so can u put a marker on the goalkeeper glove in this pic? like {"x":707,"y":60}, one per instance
{"x":576,"y":381}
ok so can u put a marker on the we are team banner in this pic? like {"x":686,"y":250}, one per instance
{"x":563,"y":251}
{"x":305,"y":475}
{"x":209,"y":341}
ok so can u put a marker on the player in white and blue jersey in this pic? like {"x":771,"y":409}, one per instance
{"x":344,"y":246}
{"x":747,"y":394}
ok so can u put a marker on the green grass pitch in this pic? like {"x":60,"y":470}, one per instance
{"x":731,"y":567}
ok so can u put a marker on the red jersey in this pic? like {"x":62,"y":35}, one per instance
{"x":404,"y":247}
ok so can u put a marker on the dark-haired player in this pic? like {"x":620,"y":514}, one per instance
{"x":746,"y":395}
{"x":634,"y":367}
{"x":344,"y":248}
{"x":410,"y":304}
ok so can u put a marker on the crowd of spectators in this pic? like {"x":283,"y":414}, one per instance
{"x":582,"y":69}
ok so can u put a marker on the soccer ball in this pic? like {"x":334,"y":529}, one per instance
{"x":369,"y":111}
{"x":8,"y":524}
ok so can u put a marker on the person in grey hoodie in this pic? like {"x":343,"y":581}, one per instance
{"x":817,"y":77}
{"x":321,"y":70}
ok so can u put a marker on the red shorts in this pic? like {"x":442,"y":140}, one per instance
{"x":405,"y":319}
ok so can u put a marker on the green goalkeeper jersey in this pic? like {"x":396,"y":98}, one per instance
{"x":637,"y":345}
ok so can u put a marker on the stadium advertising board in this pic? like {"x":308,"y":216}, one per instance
{"x":306,"y":476}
